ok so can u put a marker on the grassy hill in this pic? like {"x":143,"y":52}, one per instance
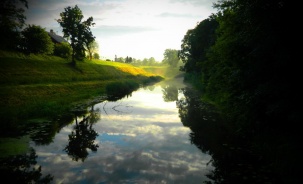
{"x":45,"y":86}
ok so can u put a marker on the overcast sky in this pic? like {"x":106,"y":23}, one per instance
{"x":135,"y":28}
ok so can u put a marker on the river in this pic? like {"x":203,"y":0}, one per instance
{"x":136,"y":139}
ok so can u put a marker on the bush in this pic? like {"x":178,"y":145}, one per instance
{"x":63,"y":50}
{"x":36,"y":40}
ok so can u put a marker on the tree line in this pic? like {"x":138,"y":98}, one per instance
{"x":243,"y":60}
{"x":170,"y":58}
{"x":16,"y":35}
{"x":242,"y":57}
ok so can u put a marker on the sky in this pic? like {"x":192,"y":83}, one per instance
{"x":134,"y":28}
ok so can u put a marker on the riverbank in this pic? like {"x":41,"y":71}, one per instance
{"x":38,"y":86}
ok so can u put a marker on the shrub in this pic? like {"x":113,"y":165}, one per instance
{"x":63,"y":50}
{"x":36,"y":40}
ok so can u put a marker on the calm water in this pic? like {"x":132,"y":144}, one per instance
{"x":137,"y":139}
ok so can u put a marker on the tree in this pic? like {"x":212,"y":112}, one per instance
{"x":196,"y":43}
{"x":92,"y":48}
{"x":96,"y":56}
{"x":253,"y":76}
{"x":128,"y":59}
{"x":152,"y":61}
{"x":120,"y":59}
{"x":36,"y":40}
{"x":12,"y":19}
{"x":77,"y":30}
{"x":171,"y":57}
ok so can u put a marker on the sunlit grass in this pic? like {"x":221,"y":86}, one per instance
{"x":163,"y":70}
{"x":37,"y":85}
{"x":124,"y":67}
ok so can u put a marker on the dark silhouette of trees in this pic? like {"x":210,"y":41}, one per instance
{"x":82,"y":138}
{"x":233,"y":157}
{"x":36,"y":40}
{"x":196,"y":43}
{"x":20,"y":169}
{"x":248,"y":67}
{"x":128,"y":59}
{"x":77,"y":30}
{"x":12,"y":20}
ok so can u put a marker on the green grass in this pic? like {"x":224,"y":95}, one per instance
{"x":46,"y":87}
{"x":163,"y":70}
{"x":34,"y":86}
{"x":13,"y":146}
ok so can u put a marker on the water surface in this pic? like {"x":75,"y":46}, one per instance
{"x":137,"y":139}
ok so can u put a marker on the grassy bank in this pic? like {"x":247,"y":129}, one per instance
{"x":39,"y":86}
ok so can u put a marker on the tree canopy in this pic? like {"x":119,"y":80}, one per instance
{"x":12,"y":19}
{"x":77,"y":30}
{"x":244,"y":61}
{"x":36,"y":40}
{"x":171,"y":57}
{"x":196,"y":44}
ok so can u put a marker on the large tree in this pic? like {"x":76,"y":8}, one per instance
{"x":77,"y":30}
{"x":254,"y":77}
{"x":196,"y":44}
{"x":36,"y":40}
{"x":12,"y":19}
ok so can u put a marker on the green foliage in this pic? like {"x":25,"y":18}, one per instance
{"x":96,"y":56}
{"x":196,"y":43}
{"x":247,"y":66}
{"x":128,"y":59}
{"x":91,"y":48}
{"x":77,"y":30}
{"x":40,"y":83}
{"x":36,"y":40}
{"x":171,"y":57}
{"x":63,"y":50}
{"x":12,"y":19}
{"x":12,"y":146}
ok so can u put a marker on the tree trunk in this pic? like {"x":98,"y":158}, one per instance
{"x":73,"y":59}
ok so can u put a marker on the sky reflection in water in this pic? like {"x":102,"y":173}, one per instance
{"x":141,"y":140}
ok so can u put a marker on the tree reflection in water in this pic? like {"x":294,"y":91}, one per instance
{"x":83,"y":137}
{"x":170,"y":93}
{"x":233,"y":157}
{"x":22,"y":169}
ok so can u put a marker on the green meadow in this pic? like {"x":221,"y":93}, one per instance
{"x":39,"y":86}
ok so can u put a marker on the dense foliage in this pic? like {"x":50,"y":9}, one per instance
{"x":244,"y":61}
{"x":36,"y":40}
{"x":12,"y":19}
{"x":196,"y":43}
{"x":171,"y":57}
{"x":79,"y":31}
{"x":63,"y":50}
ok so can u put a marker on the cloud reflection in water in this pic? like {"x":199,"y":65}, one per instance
{"x":141,"y":141}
